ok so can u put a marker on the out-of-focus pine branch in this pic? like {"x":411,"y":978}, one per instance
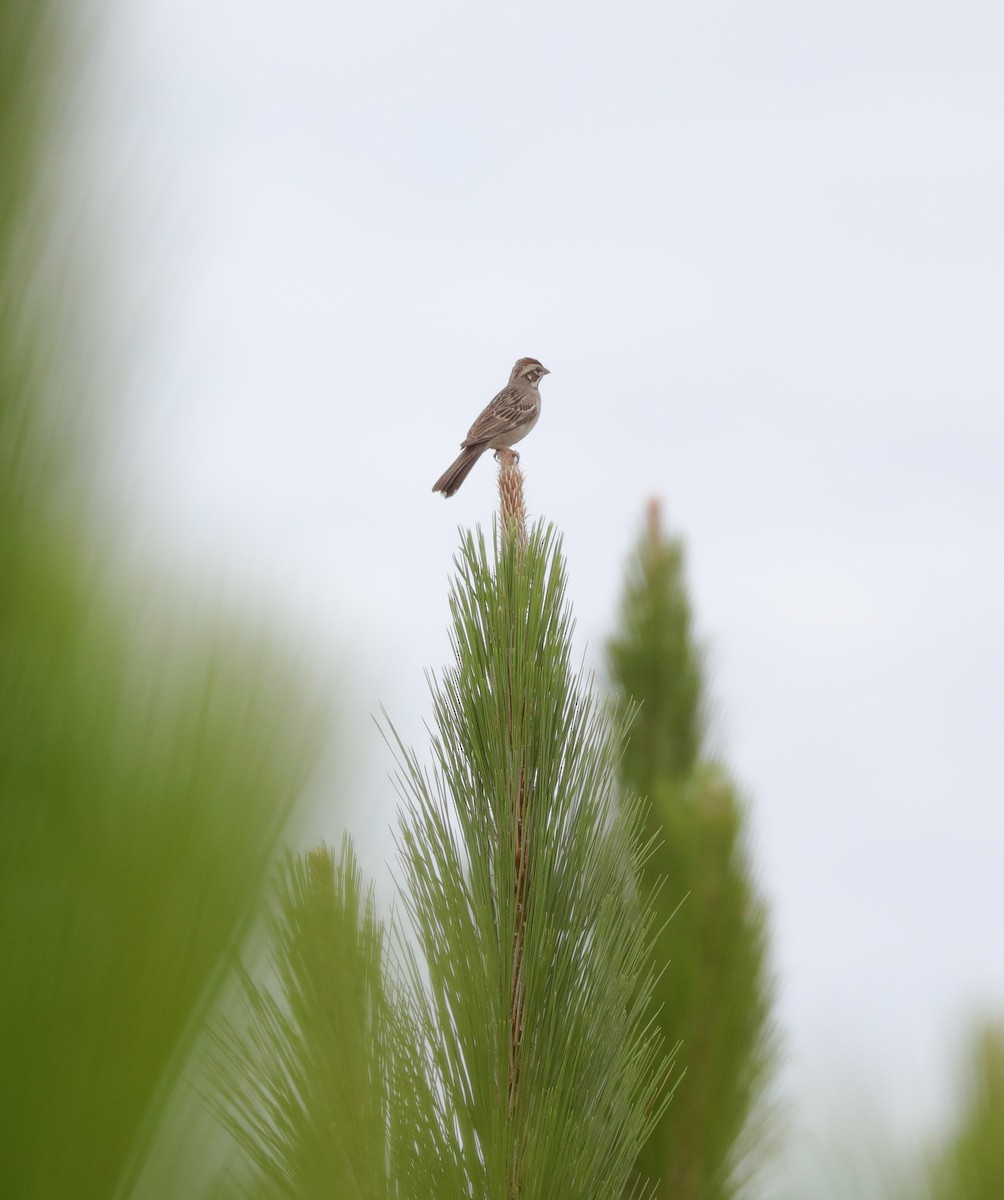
{"x":148,"y":758}
{"x":972,"y":1165}
{"x":713,"y":996}
{"x":325,"y":1089}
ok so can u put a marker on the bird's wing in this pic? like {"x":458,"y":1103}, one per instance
{"x":510,"y":409}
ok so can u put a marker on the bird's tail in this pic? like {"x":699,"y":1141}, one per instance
{"x":458,"y":470}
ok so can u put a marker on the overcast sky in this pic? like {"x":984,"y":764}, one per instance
{"x":760,"y":249}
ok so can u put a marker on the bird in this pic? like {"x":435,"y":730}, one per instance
{"x":507,"y":419}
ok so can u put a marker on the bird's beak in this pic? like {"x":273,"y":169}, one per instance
{"x":546,"y":371}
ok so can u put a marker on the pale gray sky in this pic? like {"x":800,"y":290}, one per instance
{"x":760,"y":249}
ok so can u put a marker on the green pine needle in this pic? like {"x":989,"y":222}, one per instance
{"x":520,"y":875}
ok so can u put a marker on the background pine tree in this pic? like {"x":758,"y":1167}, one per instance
{"x":713,"y":996}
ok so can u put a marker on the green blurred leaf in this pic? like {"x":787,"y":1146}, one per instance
{"x":148,"y":756}
{"x":305,"y":1088}
{"x":972,"y":1165}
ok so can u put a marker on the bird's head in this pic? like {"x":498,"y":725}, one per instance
{"x":528,"y":370}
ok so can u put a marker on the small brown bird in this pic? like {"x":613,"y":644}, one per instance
{"x":509,"y":417}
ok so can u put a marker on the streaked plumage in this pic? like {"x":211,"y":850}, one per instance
{"x":507,"y":419}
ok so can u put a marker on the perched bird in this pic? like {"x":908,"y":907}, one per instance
{"x":509,"y":417}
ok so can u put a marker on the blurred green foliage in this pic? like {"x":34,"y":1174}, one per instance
{"x":148,"y":757}
{"x":971,"y":1167}
{"x":714,"y":991}
{"x":304,"y":1084}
